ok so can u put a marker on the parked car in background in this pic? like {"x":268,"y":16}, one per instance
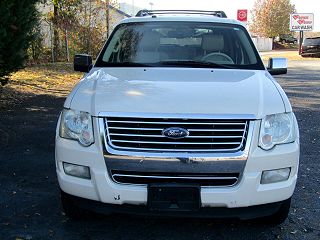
{"x":287,"y":39}
{"x":311,"y":47}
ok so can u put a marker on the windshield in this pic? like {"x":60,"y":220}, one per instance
{"x":186,"y":44}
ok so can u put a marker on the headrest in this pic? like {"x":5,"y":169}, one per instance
{"x":150,"y":41}
{"x":212,"y":42}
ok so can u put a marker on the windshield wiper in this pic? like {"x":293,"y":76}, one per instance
{"x":192,"y":63}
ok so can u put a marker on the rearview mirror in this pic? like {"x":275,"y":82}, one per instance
{"x":278,"y":66}
{"x":82,"y":63}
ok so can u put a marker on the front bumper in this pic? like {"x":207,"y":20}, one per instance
{"x":242,"y":213}
{"x":247,"y":192}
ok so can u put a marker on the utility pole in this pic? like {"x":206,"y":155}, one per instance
{"x":107,"y":17}
{"x":300,"y":41}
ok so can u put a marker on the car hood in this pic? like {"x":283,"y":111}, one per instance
{"x":177,"y":90}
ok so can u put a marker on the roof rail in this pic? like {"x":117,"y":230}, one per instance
{"x":145,"y":12}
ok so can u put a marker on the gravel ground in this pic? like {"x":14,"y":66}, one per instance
{"x":29,"y":199}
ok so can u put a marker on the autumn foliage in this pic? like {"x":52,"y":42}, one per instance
{"x":270,"y":18}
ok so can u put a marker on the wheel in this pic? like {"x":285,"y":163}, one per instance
{"x":280,"y":216}
{"x":71,"y":210}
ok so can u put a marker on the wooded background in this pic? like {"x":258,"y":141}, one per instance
{"x":43,"y":31}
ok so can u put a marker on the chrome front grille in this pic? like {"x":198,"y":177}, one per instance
{"x":205,"y":135}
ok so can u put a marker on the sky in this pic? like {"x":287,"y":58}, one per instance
{"x":229,"y":6}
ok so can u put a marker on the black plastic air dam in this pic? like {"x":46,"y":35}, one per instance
{"x":243,"y":213}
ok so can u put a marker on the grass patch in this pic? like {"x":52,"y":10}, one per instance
{"x":51,"y":79}
{"x":55,"y":79}
{"x":290,"y":55}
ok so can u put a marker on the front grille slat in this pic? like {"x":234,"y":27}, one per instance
{"x":161,"y":136}
{"x":177,"y":150}
{"x":215,"y":130}
{"x":205,"y":135}
{"x":173,"y":123}
{"x":190,"y":129}
{"x":142,"y":129}
{"x":178,"y":143}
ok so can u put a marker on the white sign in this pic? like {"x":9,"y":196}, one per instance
{"x":301,"y":22}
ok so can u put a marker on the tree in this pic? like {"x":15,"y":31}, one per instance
{"x":17,"y":21}
{"x":94,"y":18}
{"x":81,"y":23}
{"x":91,"y":30}
{"x":64,"y":18}
{"x":270,"y":18}
{"x":36,"y":47}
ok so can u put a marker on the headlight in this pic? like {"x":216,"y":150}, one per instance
{"x":77,"y":125}
{"x":277,"y":129}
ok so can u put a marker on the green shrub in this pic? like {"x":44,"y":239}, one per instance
{"x":17,"y":21}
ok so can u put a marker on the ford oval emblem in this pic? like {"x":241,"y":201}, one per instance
{"x":175,"y":132}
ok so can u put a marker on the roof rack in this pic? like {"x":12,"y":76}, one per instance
{"x":145,"y":12}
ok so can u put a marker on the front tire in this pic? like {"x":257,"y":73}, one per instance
{"x":71,"y":210}
{"x":280,"y":216}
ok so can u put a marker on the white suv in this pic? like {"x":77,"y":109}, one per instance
{"x":178,"y":116}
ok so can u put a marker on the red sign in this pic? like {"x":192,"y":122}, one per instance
{"x":242,"y":15}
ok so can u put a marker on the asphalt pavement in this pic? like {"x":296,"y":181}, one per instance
{"x":29,"y":193}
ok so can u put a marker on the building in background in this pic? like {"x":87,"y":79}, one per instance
{"x":115,"y":16}
{"x":129,"y":8}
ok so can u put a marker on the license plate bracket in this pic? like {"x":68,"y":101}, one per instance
{"x":173,"y":197}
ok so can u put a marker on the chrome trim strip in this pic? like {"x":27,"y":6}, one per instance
{"x":155,"y":177}
{"x":129,"y":128}
{"x":178,"y":115}
{"x":174,"y":177}
{"x":177,"y":143}
{"x":186,"y":123}
{"x":130,"y":149}
{"x":161,"y":136}
{"x":189,"y":129}
{"x":215,"y":130}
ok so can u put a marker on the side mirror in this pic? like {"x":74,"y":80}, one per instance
{"x":278,"y":66}
{"x":82,"y":63}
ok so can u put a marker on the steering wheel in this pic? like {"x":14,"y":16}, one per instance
{"x":217,"y":57}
